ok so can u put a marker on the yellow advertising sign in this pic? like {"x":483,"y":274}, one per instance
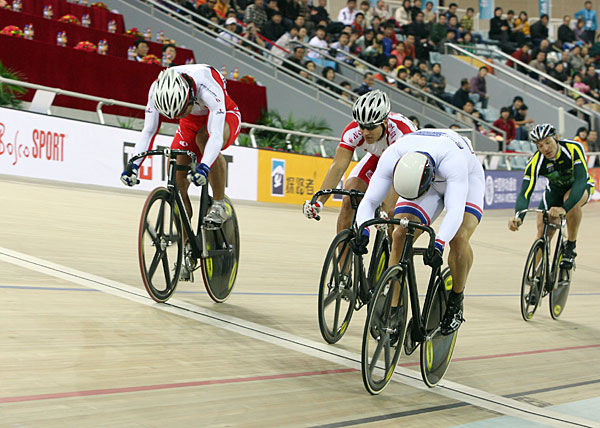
{"x":290,"y":178}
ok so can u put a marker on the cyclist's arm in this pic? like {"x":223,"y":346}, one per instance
{"x":340,"y":163}
{"x":455,"y":198}
{"x":579,"y":185}
{"x":528,"y":184}
{"x":378,"y":187}
{"x":151,"y":124}
{"x":215,"y":102}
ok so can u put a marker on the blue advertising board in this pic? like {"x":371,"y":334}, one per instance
{"x":502,"y":188}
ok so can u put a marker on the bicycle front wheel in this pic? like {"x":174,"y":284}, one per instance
{"x":337,"y":288}
{"x":534,"y":277}
{"x":384,"y":331}
{"x":219,"y":270}
{"x":160,"y":246}
{"x":436,"y":349}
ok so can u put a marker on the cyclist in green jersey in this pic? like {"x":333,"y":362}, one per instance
{"x":569,"y":187}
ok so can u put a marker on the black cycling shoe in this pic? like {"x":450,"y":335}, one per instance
{"x":453,"y":317}
{"x":568,"y":257}
{"x":531,"y":298}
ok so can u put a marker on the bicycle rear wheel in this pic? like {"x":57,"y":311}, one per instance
{"x":219,"y":270}
{"x":436,"y":349}
{"x":337,"y":288}
{"x":160,"y":246}
{"x":534,"y":277}
{"x":384,"y":331}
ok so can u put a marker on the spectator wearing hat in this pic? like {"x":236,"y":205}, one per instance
{"x":590,"y":19}
{"x":228,"y":38}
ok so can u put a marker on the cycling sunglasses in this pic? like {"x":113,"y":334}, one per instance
{"x":370,"y":127}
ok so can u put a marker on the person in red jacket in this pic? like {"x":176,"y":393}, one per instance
{"x":507,"y":124}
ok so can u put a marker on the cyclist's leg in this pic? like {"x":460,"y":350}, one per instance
{"x":460,"y":257}
{"x":550,"y":198}
{"x":574,"y":215}
{"x":358,"y":179}
{"x":183,"y":140}
{"x":183,"y":163}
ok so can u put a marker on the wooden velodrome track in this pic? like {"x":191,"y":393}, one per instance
{"x":82,"y":344}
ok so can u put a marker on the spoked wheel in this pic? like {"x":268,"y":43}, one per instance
{"x":560,"y":293}
{"x":384,"y":330}
{"x":337,"y":290}
{"x":533,"y":281}
{"x":379,"y":259}
{"x":160,"y":246}
{"x":436,"y":349}
{"x":219,"y":269}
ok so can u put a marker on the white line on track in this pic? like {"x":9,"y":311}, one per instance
{"x":451,"y":390}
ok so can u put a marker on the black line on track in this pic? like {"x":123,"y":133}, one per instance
{"x":301,"y":345}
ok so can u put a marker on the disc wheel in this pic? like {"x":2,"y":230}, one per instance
{"x":219,"y":271}
{"x":337,"y":290}
{"x":534,"y":277}
{"x":436,"y":349}
{"x":560,"y":293}
{"x":384,"y":331}
{"x":160,"y":246}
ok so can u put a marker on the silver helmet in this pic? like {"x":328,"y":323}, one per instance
{"x":371,"y":108}
{"x":171,"y":93}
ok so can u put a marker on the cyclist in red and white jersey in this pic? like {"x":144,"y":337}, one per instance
{"x":374,"y":128}
{"x":209,"y":121}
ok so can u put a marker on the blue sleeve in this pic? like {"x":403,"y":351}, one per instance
{"x":577,"y":14}
{"x":594,"y":21}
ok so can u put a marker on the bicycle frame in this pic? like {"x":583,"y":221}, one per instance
{"x":198,"y":244}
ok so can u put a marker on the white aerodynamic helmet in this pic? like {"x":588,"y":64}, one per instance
{"x":171,"y":93}
{"x":413,"y":174}
{"x":371,"y":109}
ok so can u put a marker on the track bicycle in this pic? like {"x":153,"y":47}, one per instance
{"x":344,"y":286}
{"x":539,"y":277}
{"x":386,"y":326}
{"x":163,"y":226}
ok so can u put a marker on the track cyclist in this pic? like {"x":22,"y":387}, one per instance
{"x":374,"y":128}
{"x":430,"y":170}
{"x":570,"y":186}
{"x":209,"y":121}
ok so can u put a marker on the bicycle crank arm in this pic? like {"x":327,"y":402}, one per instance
{"x":204,"y":249}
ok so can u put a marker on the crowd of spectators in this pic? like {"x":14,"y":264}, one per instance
{"x":400,"y":43}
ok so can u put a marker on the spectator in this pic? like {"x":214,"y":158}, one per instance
{"x":399,"y":52}
{"x":366,"y":85}
{"x":376,"y":24}
{"x":514,"y":107}
{"x":170,"y":51}
{"x":342,"y":48}
{"x":522,"y":24}
{"x":581,"y":137}
{"x":251,"y":35}
{"x":591,"y":21}
{"x":389,"y":38}
{"x":461,"y":96}
{"x":565,"y":34}
{"x":579,"y":32}
{"x":359,"y":23}
{"x":453,"y":25}
{"x":466,"y":22}
{"x":319,"y":13}
{"x":285,"y":42}
{"x":575,"y":59}
{"x":274,"y":28}
{"x":256,"y":13}
{"x":228,"y":38}
{"x":510,"y":18}
{"x":522,"y":54}
{"x":539,"y":30}
{"x":579,"y":85}
{"x":318,"y":41}
{"x":367,"y":11}
{"x":422,"y":85}
{"x":374,"y":52}
{"x":558,"y":73}
{"x":452,"y":8}
{"x":415,"y":8}
{"x":141,"y":49}
{"x":450,"y":38}
{"x":421,"y":33}
{"x":221,"y":8}
{"x":328,"y":80}
{"x":424,"y":69}
{"x":382,"y":11}
{"x":363,"y":42}
{"x":429,"y":14}
{"x":539,"y":64}
{"x":384,"y":75}
{"x":580,"y":102}
{"x":438,"y":31}
{"x":505,"y":123}
{"x":415,"y":121}
{"x":295,"y":61}
{"x":437,"y":83}
{"x":207,"y":9}
{"x":347,"y":14}
{"x":522,"y":122}
{"x":346,"y":85}
{"x":402,"y":14}
{"x":303,"y":36}
{"x":478,"y":86}
{"x":468,"y":108}
{"x":402,"y":74}
{"x":409,"y":64}
{"x":591,"y":79}
{"x":499,"y":29}
{"x":592,"y":141}
{"x":409,"y":46}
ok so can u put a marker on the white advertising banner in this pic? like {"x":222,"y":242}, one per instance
{"x":39,"y":146}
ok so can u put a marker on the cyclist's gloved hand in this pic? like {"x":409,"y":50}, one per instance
{"x":359,"y":243}
{"x":312,"y":210}
{"x":433,"y":256}
{"x":131,"y":179}
{"x":200,"y":176}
